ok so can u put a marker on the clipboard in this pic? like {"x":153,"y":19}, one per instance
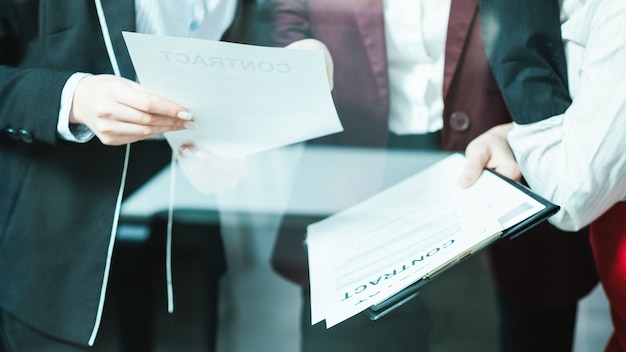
{"x":379,"y":310}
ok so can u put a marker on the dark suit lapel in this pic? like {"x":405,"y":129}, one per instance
{"x":462,"y":13}
{"x":120,"y":16}
{"x":370,"y":19}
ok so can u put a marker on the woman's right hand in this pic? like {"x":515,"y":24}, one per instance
{"x":118,"y":111}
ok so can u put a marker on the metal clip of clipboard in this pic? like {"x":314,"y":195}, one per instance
{"x":379,"y":310}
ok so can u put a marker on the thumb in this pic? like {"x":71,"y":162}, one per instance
{"x":477,"y":159}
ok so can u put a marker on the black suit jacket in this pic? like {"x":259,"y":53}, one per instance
{"x":525,"y":50}
{"x":57,"y":198}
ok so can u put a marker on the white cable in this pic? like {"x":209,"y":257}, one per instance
{"x":168,"y":264}
{"x":107,"y":39}
{"x":168,"y":246}
{"x":118,"y":204}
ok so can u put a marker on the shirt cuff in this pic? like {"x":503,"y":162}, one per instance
{"x":69,"y":131}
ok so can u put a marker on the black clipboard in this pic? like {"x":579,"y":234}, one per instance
{"x":379,"y":310}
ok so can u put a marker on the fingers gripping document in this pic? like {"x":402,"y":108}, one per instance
{"x":409,"y":233}
{"x":244,"y":99}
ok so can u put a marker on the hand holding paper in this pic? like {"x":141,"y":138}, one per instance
{"x":410,"y":232}
{"x":244,"y":99}
{"x":490,"y":150}
{"x":118,"y":111}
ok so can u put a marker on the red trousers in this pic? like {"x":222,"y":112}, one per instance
{"x":608,"y":242}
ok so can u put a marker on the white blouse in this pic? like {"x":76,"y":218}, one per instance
{"x":578,"y":159}
{"x":415,"y":37}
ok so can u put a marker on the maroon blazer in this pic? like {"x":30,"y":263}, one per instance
{"x":353,"y":31}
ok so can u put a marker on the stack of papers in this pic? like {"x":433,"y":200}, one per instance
{"x":411,"y":232}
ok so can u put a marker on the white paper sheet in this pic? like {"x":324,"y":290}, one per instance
{"x":367,"y":253}
{"x":245,"y":99}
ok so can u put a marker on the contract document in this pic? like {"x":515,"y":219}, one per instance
{"x":409,"y":233}
{"x":244,"y":99}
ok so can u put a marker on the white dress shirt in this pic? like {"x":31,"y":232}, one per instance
{"x":415,"y":37}
{"x":578,"y":159}
{"x":206,"y":19}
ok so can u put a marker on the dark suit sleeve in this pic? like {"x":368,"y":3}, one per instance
{"x":30,"y":96}
{"x":525,"y":49}
{"x":282,"y":22}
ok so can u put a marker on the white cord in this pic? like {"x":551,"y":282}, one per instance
{"x":118,"y":203}
{"x":168,"y":248}
{"x":168,"y":255}
{"x":107,"y":39}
